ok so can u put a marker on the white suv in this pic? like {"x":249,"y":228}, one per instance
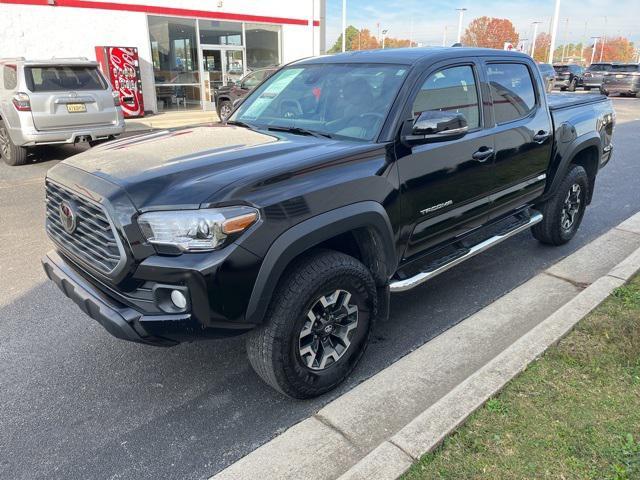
{"x":53,"y":102}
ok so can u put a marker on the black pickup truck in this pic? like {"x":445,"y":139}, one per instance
{"x":338,"y":181}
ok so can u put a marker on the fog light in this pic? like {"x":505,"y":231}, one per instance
{"x":178,"y":299}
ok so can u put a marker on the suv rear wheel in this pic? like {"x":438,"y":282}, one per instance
{"x":317,"y":326}
{"x":573,"y":85}
{"x":563,"y":212}
{"x":10,"y":153}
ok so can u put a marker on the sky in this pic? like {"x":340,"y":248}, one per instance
{"x":425,"y":20}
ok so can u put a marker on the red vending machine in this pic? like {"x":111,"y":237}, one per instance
{"x":121,"y":66}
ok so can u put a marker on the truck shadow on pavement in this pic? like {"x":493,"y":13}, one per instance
{"x":80,"y":403}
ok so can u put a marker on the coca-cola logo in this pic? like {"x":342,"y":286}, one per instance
{"x":124,"y":78}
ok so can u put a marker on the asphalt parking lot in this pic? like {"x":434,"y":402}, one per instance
{"x":77,"y":403}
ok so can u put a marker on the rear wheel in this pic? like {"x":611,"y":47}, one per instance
{"x":11,"y":154}
{"x":573,"y":85}
{"x":587,"y":89}
{"x":317,"y":326}
{"x":564,"y":211}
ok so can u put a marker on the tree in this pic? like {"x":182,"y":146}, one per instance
{"x":364,"y":40}
{"x":351,"y":32}
{"x":618,"y":49}
{"x":541,"y":52}
{"x":490,"y":33}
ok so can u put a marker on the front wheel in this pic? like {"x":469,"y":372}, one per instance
{"x":224,"y":112}
{"x":563,"y":212}
{"x":573,"y":85}
{"x":317,"y":326}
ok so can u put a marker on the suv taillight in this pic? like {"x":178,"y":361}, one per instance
{"x":21,"y":102}
{"x":116,"y":98}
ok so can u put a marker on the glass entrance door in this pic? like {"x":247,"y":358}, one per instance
{"x":220,"y":67}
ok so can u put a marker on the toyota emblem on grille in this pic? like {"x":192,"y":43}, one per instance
{"x":68,"y":217}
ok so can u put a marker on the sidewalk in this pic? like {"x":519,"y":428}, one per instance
{"x":379,"y":428}
{"x":183,"y":118}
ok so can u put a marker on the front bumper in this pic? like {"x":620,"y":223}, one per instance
{"x":119,"y":320}
{"x":28,"y":137}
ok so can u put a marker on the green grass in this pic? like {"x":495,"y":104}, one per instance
{"x":573,"y":414}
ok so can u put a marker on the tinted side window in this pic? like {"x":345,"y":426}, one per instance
{"x":450,"y":89}
{"x":253,"y":79}
{"x":10,"y":75}
{"x":511,"y":90}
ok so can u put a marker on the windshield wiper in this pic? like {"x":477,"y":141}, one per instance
{"x":238,"y":123}
{"x":300,"y":131}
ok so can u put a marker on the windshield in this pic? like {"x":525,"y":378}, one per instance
{"x":625,"y":68}
{"x":342,"y":100}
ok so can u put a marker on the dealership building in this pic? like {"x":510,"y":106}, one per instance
{"x":185,"y":47}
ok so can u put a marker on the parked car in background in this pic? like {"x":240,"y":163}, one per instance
{"x":624,"y":78}
{"x":46,"y":102}
{"x":568,"y":77}
{"x":548,"y":75}
{"x":594,"y":74}
{"x":226,"y":96}
{"x":340,"y":179}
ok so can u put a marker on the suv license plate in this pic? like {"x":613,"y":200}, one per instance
{"x":76,"y":107}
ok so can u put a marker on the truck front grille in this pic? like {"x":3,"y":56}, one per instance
{"x":92,"y":239}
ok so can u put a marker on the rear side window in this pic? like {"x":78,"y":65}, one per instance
{"x":10,"y":75}
{"x":511,"y":90}
{"x":450,"y":89}
{"x":59,"y":78}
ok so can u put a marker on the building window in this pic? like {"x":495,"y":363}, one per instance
{"x":213,"y":32}
{"x":263,"y":45}
{"x":174,"y":52}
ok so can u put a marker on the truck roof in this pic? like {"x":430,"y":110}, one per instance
{"x":408,"y":56}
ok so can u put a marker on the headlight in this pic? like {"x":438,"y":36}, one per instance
{"x":195,"y":230}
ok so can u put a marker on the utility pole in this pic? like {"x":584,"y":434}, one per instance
{"x":460,"y":15}
{"x":554,"y":31}
{"x":384,"y":34}
{"x":604,"y":39}
{"x":566,"y":36}
{"x":344,"y":25}
{"x":593,"y":52}
{"x":535,"y":34}
{"x":444,"y":37}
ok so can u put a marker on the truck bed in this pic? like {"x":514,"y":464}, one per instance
{"x":558,"y":101}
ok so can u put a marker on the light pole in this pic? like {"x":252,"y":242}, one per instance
{"x":344,"y":25}
{"x":604,"y":39}
{"x":593,"y":52}
{"x":535,"y":34}
{"x":444,"y":37}
{"x":460,"y":15}
{"x":554,"y":31}
{"x":384,"y":34}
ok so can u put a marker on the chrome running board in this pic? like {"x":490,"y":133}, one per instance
{"x":420,"y":278}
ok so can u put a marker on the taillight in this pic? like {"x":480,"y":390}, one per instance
{"x":21,"y":102}
{"x":116,"y":98}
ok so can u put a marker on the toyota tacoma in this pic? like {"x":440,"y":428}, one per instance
{"x":336,"y":182}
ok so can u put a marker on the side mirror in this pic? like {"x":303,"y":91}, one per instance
{"x":437,"y":126}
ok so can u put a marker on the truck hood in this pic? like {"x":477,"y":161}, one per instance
{"x":157,"y":169}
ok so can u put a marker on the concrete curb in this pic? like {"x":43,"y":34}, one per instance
{"x":359,"y":445}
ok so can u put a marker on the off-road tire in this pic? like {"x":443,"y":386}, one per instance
{"x":273,"y":348}
{"x":550,"y":229}
{"x":12,"y":155}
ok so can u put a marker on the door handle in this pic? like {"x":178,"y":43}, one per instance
{"x":483,"y":154}
{"x":541,"y":136}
